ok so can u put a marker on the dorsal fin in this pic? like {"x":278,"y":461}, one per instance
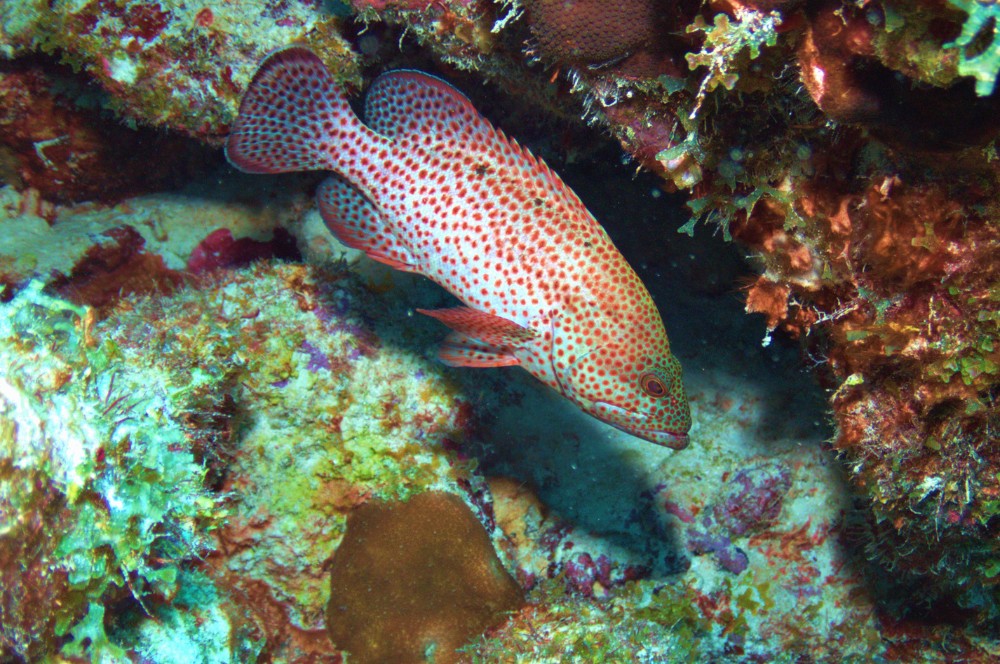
{"x":415,"y":107}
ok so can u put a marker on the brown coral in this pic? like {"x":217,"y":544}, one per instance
{"x":630,"y":35}
{"x":830,"y":58}
{"x":413,"y":581}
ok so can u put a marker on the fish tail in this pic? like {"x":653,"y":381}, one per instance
{"x":293,"y":117}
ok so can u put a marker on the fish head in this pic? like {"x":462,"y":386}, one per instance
{"x":641,"y":393}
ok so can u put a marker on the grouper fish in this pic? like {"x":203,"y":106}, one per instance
{"x":427,"y":185}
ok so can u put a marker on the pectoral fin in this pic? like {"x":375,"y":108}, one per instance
{"x":479,"y":339}
{"x":488,"y":328}
{"x":355,"y":221}
{"x":458,"y":350}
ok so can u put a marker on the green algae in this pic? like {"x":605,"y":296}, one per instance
{"x":979,"y":44}
{"x":106,"y":443}
{"x":727,"y":47}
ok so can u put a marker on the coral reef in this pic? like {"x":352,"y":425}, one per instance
{"x":373,"y":444}
{"x":301,"y":409}
{"x":102,"y":496}
{"x":150,"y":243}
{"x":171,"y":64}
{"x":186,"y":424}
{"x":414,"y":581}
{"x":314,"y":438}
{"x":881,"y":265}
{"x":913,"y":339}
{"x":825,"y":136}
{"x":56,"y":146}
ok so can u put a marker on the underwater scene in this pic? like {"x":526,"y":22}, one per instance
{"x":499,"y":331}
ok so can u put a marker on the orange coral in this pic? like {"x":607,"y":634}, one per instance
{"x":413,"y":581}
{"x":768,"y":298}
{"x":904,"y":307}
{"x":849,"y":79}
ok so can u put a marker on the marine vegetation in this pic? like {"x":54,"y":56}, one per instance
{"x":207,"y":383}
{"x":102,"y":497}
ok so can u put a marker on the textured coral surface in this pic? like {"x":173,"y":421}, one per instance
{"x":415,"y":580}
{"x":67,"y":152}
{"x":170,"y":64}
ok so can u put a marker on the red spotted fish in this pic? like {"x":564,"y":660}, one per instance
{"x":428,"y":185}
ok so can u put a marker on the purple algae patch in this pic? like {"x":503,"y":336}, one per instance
{"x":733,"y":560}
{"x":335,"y":308}
{"x":582,"y":571}
{"x":317,"y":358}
{"x":754,"y":499}
{"x":679,"y":511}
{"x":729,"y":557}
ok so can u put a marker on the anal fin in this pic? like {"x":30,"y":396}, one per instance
{"x":356,"y":222}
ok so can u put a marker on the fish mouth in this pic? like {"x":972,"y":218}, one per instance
{"x":614,"y":415}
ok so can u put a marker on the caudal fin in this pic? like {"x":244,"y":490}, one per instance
{"x":293,"y":118}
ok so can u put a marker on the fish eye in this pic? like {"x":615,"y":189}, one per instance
{"x":652,"y":385}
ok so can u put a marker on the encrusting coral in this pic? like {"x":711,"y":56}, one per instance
{"x":629,"y":38}
{"x":171,"y":64}
{"x":414,"y":581}
{"x":100,"y":496}
{"x":55,"y":143}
